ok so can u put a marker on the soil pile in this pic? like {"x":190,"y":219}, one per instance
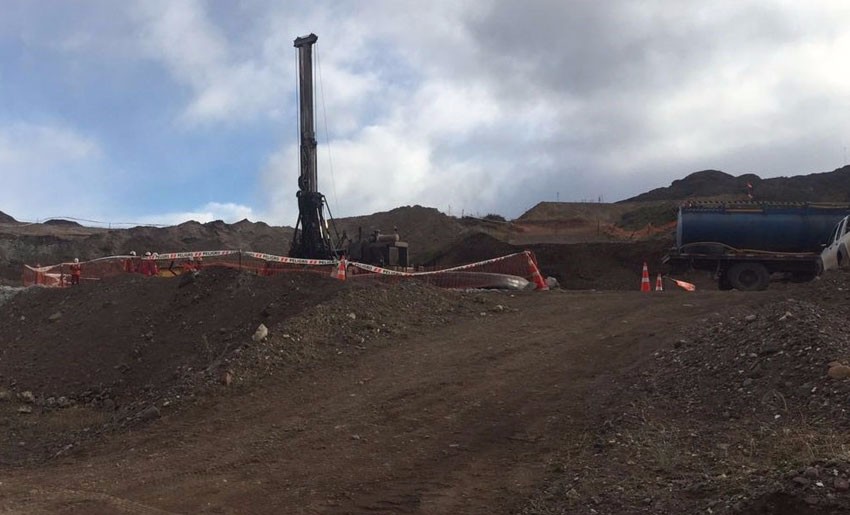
{"x":746,"y":412}
{"x":600,"y":266}
{"x":129,"y":335}
{"x":118,"y":351}
{"x":766,"y":362}
{"x":425,"y":229}
{"x":124,"y":335}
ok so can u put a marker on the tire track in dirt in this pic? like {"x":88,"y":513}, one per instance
{"x":462,"y":420}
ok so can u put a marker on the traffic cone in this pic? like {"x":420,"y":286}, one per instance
{"x":339,"y":272}
{"x":659,"y":286}
{"x":644,"y":280}
{"x":536,"y":278}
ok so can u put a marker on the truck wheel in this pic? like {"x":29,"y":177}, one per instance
{"x":843,"y":262}
{"x":748,"y":276}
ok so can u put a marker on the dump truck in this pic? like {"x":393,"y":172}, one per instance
{"x":745,"y":243}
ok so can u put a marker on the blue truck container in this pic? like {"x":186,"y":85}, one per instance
{"x":744,"y":243}
{"x":775,"y":228}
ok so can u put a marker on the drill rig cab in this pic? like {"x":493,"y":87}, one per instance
{"x":384,"y":250}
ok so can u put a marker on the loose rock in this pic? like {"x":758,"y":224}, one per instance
{"x":839,"y":371}
{"x":261,"y":333}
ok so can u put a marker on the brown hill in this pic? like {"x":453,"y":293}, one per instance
{"x":425,"y":229}
{"x":42,"y":243}
{"x":6,"y":219}
{"x":816,"y":187}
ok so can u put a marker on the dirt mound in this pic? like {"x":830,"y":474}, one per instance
{"x":62,"y":222}
{"x":128,"y":334}
{"x":754,"y":396}
{"x":767,"y":361}
{"x":545,"y":211}
{"x":582,"y":222}
{"x":601,"y":266}
{"x":6,"y":219}
{"x":473,"y":248}
{"x":739,"y":414}
{"x":582,"y":266}
{"x":425,"y":229}
{"x":113,"y":354}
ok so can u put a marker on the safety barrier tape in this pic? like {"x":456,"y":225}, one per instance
{"x":384,"y":271}
{"x":196,"y":254}
{"x":283,"y":259}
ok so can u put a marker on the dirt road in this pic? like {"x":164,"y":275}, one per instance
{"x":464,"y":419}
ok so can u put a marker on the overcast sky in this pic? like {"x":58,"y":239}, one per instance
{"x":165,"y":111}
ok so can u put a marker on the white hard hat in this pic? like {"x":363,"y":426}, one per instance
{"x":147,"y":253}
{"x":132,"y":252}
{"x":76,"y":260}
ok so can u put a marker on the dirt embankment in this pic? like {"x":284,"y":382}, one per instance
{"x":745,"y":412}
{"x":113,"y":351}
{"x":412,"y":399}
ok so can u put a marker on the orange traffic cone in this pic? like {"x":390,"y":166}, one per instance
{"x":339,"y":272}
{"x":644,"y":280}
{"x":536,"y":278}
{"x":659,"y":286}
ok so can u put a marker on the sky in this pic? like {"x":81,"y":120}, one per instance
{"x":163,"y":111}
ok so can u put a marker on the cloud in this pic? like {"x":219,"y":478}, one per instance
{"x":27,"y":148}
{"x":46,"y":165}
{"x":227,"y":212}
{"x":181,"y":36}
{"x":486,"y":106}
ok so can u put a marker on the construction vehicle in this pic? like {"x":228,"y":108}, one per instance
{"x":386,"y":250}
{"x":744,"y":243}
{"x":837,"y":252}
{"x":312,"y":238}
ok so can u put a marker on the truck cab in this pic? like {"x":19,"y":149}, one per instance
{"x":836,"y":254}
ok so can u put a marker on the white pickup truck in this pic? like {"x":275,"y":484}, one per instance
{"x":837,"y":252}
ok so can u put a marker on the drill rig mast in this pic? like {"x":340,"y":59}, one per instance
{"x":312,"y":240}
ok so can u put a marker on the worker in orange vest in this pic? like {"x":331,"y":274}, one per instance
{"x":148,"y":266}
{"x":130,"y":264}
{"x":76,"y":271}
{"x":189,"y":266}
{"x":154,"y":269}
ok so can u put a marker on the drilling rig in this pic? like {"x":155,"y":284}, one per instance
{"x":311,"y":240}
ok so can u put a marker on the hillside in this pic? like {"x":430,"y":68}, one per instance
{"x":425,"y":229}
{"x":6,"y":219}
{"x":831,"y":186}
{"x":434,"y":238}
